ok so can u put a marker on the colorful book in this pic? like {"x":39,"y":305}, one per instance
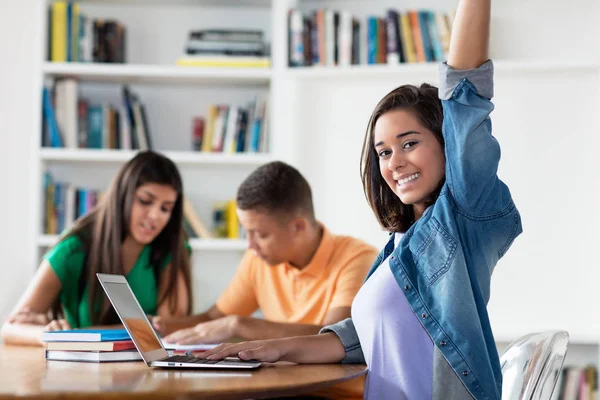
{"x":93,"y":356}
{"x":117,"y":345}
{"x":86,"y":335}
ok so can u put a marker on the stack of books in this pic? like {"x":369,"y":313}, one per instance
{"x":225,"y":48}
{"x":90,"y":345}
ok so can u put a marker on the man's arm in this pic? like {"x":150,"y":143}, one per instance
{"x":249,"y":328}
{"x":167,"y":326}
{"x":234,"y":327}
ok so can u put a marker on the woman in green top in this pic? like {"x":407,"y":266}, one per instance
{"x":136,"y":230}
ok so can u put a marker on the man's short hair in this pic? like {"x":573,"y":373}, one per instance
{"x":276,"y":188}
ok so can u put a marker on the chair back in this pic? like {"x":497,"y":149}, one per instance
{"x":531,"y":365}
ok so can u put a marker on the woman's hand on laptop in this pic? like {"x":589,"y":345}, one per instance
{"x":313,"y":349}
{"x":272,"y":350}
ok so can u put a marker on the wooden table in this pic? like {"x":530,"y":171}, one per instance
{"x":24,"y":373}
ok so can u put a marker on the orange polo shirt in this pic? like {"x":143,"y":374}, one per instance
{"x":286,"y":294}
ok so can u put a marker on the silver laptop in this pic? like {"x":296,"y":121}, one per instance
{"x":145,"y":338}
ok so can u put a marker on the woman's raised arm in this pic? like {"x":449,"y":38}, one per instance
{"x":469,"y":41}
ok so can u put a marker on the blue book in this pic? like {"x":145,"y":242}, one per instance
{"x":48,"y":109}
{"x":86,"y":335}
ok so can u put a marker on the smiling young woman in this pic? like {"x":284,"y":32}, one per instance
{"x":135,"y":230}
{"x":420,"y":321}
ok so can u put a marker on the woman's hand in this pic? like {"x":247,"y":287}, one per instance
{"x":262,"y":350}
{"x":313,"y":349}
{"x":58,"y":325}
{"x":26,"y":316}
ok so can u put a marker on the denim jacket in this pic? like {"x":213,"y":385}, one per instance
{"x":445,"y":261}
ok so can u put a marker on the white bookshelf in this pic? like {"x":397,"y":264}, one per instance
{"x":173,"y":94}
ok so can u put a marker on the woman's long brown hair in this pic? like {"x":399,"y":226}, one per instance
{"x":103,"y":231}
{"x":424,"y":103}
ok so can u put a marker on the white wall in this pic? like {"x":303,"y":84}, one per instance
{"x":18,"y":50}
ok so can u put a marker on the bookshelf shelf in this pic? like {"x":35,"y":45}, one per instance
{"x":166,"y":74}
{"x":195,"y":244}
{"x":386,"y":71}
{"x":205,"y":3}
{"x":218,"y":244}
{"x":179,"y":157}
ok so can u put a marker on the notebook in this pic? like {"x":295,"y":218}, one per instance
{"x":145,"y":338}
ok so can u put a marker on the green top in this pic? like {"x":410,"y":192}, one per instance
{"x":66,"y":260}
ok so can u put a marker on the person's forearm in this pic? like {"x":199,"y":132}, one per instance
{"x":257,"y":329}
{"x":469,"y":40}
{"x":326,"y":348}
{"x":22,"y":334}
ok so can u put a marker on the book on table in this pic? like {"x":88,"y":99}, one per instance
{"x":93,"y":356}
{"x":86,"y":335}
{"x":117,"y":345}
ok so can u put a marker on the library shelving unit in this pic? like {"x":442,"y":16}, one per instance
{"x":317,"y":117}
{"x":155,"y":37}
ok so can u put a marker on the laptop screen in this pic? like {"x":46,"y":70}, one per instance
{"x":134,"y":318}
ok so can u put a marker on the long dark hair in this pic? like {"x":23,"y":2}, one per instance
{"x":103,"y":231}
{"x":424,"y":103}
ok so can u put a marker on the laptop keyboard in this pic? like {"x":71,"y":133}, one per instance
{"x":189,"y":359}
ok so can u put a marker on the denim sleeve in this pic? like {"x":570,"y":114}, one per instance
{"x":472,"y":153}
{"x":347,"y":334}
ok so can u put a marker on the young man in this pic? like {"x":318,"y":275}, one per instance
{"x":299,"y":274}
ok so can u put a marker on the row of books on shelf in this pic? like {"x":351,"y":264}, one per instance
{"x":225,"y":48}
{"x":328,"y":37}
{"x":577,"y":383}
{"x":64,"y":203}
{"x":73,"y":122}
{"x":70,"y":121}
{"x":232,"y":129}
{"x":75,"y":37}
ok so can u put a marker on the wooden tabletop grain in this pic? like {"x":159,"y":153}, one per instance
{"x":25,"y":374}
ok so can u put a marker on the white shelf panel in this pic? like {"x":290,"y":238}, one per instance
{"x":138,"y":73}
{"x":179,"y":157}
{"x":205,"y":3}
{"x":385,"y":71}
{"x":219,"y":244}
{"x":195,"y":244}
